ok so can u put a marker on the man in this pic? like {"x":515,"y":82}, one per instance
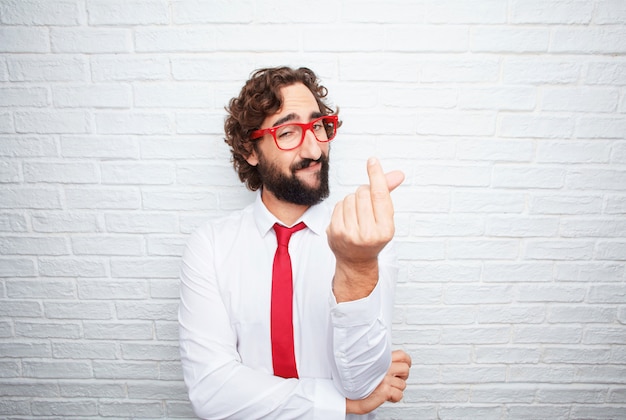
{"x":317,"y":345}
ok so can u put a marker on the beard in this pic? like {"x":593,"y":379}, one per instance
{"x":289,"y":187}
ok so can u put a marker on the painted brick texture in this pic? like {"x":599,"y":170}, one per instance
{"x":507,"y":116}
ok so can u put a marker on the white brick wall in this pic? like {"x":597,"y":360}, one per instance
{"x":508,"y":117}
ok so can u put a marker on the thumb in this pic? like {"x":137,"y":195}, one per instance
{"x":394,"y":179}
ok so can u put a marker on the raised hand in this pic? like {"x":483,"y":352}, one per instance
{"x":361,"y":225}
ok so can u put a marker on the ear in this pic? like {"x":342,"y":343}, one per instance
{"x":252,"y":158}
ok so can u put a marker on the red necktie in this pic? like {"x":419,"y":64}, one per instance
{"x":283,"y":356}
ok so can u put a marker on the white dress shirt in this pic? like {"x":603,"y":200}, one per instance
{"x":342,"y":350}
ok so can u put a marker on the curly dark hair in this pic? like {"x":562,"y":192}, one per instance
{"x":260,"y":97}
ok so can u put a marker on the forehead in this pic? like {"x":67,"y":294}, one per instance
{"x":297,"y":99}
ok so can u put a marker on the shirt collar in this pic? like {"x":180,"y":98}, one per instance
{"x":315,"y":217}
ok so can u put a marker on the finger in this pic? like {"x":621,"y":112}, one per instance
{"x":400,"y":356}
{"x":350,"y":218}
{"x":399,"y":370}
{"x":394,"y":179}
{"x":336,"y":220}
{"x":379,"y":190}
{"x":364,"y":209}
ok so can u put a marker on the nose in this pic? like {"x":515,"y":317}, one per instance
{"x":310,"y":148}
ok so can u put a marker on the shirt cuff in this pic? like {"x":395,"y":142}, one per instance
{"x":357,"y":312}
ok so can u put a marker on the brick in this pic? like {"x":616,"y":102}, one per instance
{"x":498,"y":98}
{"x":141,"y":222}
{"x":186,"y":147}
{"x":17,"y":267}
{"x":547,"y":334}
{"x":194,"y":11}
{"x":512,"y":272}
{"x":56,"y":369}
{"x":61,"y":172}
{"x":496,"y":314}
{"x":331,"y":38}
{"x":537,"y":411}
{"x":507,"y":354}
{"x":606,"y":73}
{"x":90,"y":41}
{"x":456,"y":124}
{"x":212,"y":69}
{"x":64,"y":222}
{"x":604,"y":335}
{"x":459,"y":11}
{"x":581,"y":314}
{"x":558,"y":151}
{"x":589,"y":271}
{"x":124,"y":12}
{"x":449,"y":225}
{"x":532,"y":126}
{"x":27,"y":146}
{"x":550,"y":293}
{"x":487,"y":201}
{"x":28,"y":388}
{"x":182,"y":199}
{"x":136,"y":173}
{"x":421,"y":250}
{"x":84,"y":389}
{"x":157,"y":391}
{"x":495,"y":150}
{"x":52,"y":122}
{"x":437,"y":355}
{"x":515,"y":226}
{"x":198,"y":123}
{"x":168,"y":330}
{"x":580,"y":99}
{"x":102,"y":95}
{"x":9,"y":369}
{"x":12,"y":222}
{"x":65,"y":408}
{"x":147,"y":311}
{"x":492,"y":249}
{"x":107,"y":245}
{"x":6,"y":123}
{"x":47,"y":330}
{"x":18,"y":96}
{"x":428,"y":38}
{"x":103,"y":198}
{"x":105,"y":147}
{"x":609,"y":293}
{"x":9,"y":172}
{"x":579,"y":227}
{"x":507,"y":40}
{"x":601,"y":128}
{"x":165,"y":289}
{"x":84,"y":350}
{"x":578,"y":395}
{"x":14,"y":407}
{"x":474,"y":295}
{"x":118,"y":330}
{"x":78,"y":310}
{"x":464,"y":374}
{"x":117,"y":370}
{"x":595,"y":411}
{"x":475,"y":335}
{"x":134,"y":409}
{"x":472,"y":176}
{"x":182,"y":39}
{"x":72,"y":267}
{"x":370,"y":11}
{"x":615,"y":204}
{"x":166,"y":246}
{"x":32,"y":245}
{"x":551,"y":12}
{"x":596,"y":39}
{"x":166,"y":95}
{"x":596,"y":179}
{"x":106,"y":289}
{"x":425,"y":315}
{"x":43,"y":68}
{"x":533,"y":71}
{"x":204,"y":174}
{"x":410,"y":98}
{"x":145,"y":267}
{"x":159,"y":352}
{"x":558,"y":250}
{"x":41,"y":289}
{"x":478,"y":70}
{"x":565,"y":204}
{"x":445,"y":272}
{"x":177,"y":409}
{"x":132,"y":123}
{"x":24,"y":40}
{"x":528,"y":177}
{"x":120,"y":68}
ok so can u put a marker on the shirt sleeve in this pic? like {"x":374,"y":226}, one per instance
{"x":219,"y":385}
{"x":361,"y":333}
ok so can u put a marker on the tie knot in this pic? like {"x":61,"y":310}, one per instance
{"x":283,"y":233}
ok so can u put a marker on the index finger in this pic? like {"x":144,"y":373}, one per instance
{"x":379,"y":191}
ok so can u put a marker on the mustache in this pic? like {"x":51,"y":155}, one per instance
{"x":305,"y":163}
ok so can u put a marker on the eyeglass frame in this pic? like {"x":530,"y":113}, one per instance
{"x":257,"y":134}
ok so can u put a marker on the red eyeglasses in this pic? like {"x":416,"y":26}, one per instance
{"x":291,"y":135}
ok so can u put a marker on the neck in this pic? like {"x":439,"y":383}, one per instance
{"x":284,"y":211}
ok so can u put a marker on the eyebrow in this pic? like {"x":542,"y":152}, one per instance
{"x":293,"y":116}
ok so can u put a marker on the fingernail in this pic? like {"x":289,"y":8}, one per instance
{"x":372,"y":161}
